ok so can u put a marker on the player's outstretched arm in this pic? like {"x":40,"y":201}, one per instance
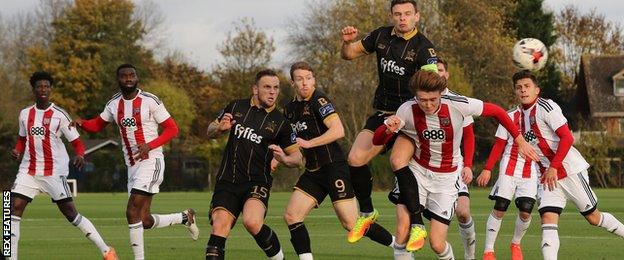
{"x":219,"y":127}
{"x":565,"y":143}
{"x":385,"y":132}
{"x":335,"y":131}
{"x":351,"y":48}
{"x":524,"y":148}
{"x":291,"y":157}
{"x":90,"y":125}
{"x":495,"y":154}
{"x":79,"y":149}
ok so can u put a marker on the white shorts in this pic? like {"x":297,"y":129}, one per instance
{"x":55,"y":186}
{"x":463,"y":188}
{"x":509,"y":187}
{"x":437,"y":192}
{"x":146,"y":175}
{"x":575,"y":188}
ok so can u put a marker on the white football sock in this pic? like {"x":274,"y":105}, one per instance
{"x":447,"y":254}
{"x":306,"y":256}
{"x":400,"y":253}
{"x":161,"y":221}
{"x":520,"y":230}
{"x":136,"y":240}
{"x":550,"y":241}
{"x":612,"y":225}
{"x":15,"y":235}
{"x":468,"y":236}
{"x":278,"y":256}
{"x":87,"y":228}
{"x":491,"y":232}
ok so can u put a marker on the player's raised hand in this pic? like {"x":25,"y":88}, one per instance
{"x":550,"y":178}
{"x":15,"y":154}
{"x":525,"y":149}
{"x":142,"y":152}
{"x":278,"y":153}
{"x":226,"y":122}
{"x":79,"y":162}
{"x":76,"y":123}
{"x":349,"y":33}
{"x":393,"y":124}
{"x":466,"y":175}
{"x":484,"y":178}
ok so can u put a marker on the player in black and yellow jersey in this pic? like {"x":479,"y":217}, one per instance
{"x":401,"y":50}
{"x":314,"y":118}
{"x":258,"y":133}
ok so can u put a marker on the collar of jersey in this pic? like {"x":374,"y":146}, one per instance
{"x":46,"y":109}
{"x":268,"y":109}
{"x":406,"y":36}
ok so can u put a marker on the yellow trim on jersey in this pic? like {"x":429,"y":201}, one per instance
{"x":329,"y":118}
{"x":361,"y":45}
{"x":406,"y":36}
{"x":268,"y":109}
{"x":291,"y":148}
{"x":308,"y":194}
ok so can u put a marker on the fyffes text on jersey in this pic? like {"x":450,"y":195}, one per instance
{"x":247,"y":133}
{"x":390,"y":66}
{"x":299,"y":126}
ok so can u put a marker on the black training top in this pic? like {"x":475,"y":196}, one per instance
{"x":307,"y":118}
{"x":247,"y":157}
{"x":398,"y":58}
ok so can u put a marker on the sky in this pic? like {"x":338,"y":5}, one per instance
{"x":195,"y":28}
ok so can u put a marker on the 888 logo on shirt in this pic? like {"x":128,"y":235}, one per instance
{"x":37,"y":131}
{"x":434,"y":135}
{"x":128,"y":122}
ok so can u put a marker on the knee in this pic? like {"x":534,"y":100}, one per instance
{"x":252,"y":225}
{"x":356,"y":159}
{"x":463,"y":215}
{"x":291,"y":218}
{"x":221,"y":227}
{"x":525,"y":216}
{"x":70,"y":214}
{"x":148,"y":221}
{"x":499,"y":214}
{"x":397,"y":162}
{"x":437,"y":246}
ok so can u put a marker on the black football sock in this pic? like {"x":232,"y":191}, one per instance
{"x":362,"y":181}
{"x":267,"y":241}
{"x":379,"y":234}
{"x":300,"y":238}
{"x":215,"y":250}
{"x":408,"y":186}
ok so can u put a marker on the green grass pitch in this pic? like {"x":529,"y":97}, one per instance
{"x":45,"y":234}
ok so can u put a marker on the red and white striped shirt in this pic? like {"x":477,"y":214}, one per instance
{"x":45,"y":153}
{"x":137,"y":120}
{"x":438,"y":136}
{"x":543,"y":119}
{"x":512,"y":163}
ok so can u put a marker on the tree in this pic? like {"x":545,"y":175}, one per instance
{"x":90,"y":39}
{"x":245,"y":51}
{"x":584,"y":33}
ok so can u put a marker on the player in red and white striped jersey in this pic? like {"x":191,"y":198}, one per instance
{"x":402,"y":152}
{"x":45,"y":163}
{"x":564,"y":170}
{"x":138,"y":114}
{"x":435,"y":124}
{"x":518,"y":178}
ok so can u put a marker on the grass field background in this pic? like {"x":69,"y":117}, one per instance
{"x":45,"y":234}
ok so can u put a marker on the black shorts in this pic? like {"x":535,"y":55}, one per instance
{"x":232,"y":196}
{"x":376,"y":120}
{"x":333,"y":179}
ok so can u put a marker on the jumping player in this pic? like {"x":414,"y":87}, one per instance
{"x":401,"y":50}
